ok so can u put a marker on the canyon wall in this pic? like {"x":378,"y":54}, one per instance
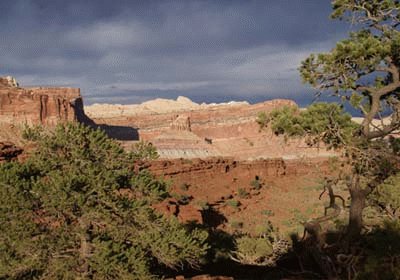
{"x":39,"y":105}
{"x":200,"y":131}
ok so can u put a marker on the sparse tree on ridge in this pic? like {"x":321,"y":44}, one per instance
{"x":365,"y":71}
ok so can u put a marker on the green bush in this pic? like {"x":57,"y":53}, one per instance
{"x":75,"y":209}
{"x":321,"y":121}
{"x":387,"y":196}
{"x":236,"y":225}
{"x":263,"y":249}
{"x":203,"y":205}
{"x":182,"y":199}
{"x":286,"y":120}
{"x":233,"y":203}
{"x":263,"y":119}
{"x":253,"y":249}
{"x":242,"y":193}
{"x":144,"y":151}
{"x":256,"y":184}
{"x":267,"y":212}
{"x":382,"y":253}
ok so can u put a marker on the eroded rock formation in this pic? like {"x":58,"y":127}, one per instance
{"x":8,"y":81}
{"x":181,"y":122}
{"x":201,"y":131}
{"x":47,"y":106}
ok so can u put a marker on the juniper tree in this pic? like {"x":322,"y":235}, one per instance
{"x":75,"y":209}
{"x":363,"y":70}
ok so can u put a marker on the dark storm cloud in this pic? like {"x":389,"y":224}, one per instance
{"x":129,"y":51}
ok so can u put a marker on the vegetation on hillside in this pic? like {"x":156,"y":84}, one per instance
{"x":75,"y":209}
{"x":363,"y":71}
{"x":320,"y":122}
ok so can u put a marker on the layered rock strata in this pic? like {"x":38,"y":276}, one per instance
{"x":39,"y":105}
{"x":200,"y":131}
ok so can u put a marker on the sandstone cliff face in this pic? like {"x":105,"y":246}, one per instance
{"x":47,"y":106}
{"x":8,"y":82}
{"x":228,"y":130}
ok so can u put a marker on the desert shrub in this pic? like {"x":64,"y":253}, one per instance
{"x":144,"y":150}
{"x":233,"y":203}
{"x":253,"y":250}
{"x":76,"y":209}
{"x":203,"y":205}
{"x":242,"y":193}
{"x":262,"y":119}
{"x":236,"y":225}
{"x":263,"y":249}
{"x":32,"y":133}
{"x":256,"y":184}
{"x":182,"y":199}
{"x":267,"y":213}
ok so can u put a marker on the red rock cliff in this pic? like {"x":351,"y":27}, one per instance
{"x":47,"y":106}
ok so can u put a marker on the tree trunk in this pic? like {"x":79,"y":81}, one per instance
{"x":84,"y":250}
{"x":358,"y":197}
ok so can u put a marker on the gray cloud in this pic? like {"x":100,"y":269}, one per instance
{"x":130,"y":51}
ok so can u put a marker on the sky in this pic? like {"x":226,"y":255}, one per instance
{"x":127,"y":51}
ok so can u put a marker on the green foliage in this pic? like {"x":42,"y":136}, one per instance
{"x":203,"y":205}
{"x":182,"y":199}
{"x":236,"y":225}
{"x":387,"y":196}
{"x":267,"y":212}
{"x":382,"y":253}
{"x":32,"y":133}
{"x":76,"y":209}
{"x":144,"y":151}
{"x":395,"y":145}
{"x":321,"y":121}
{"x":348,"y":9}
{"x":263,"y":249}
{"x":242,"y":193}
{"x":364,"y":68}
{"x":285,"y":120}
{"x":253,"y":249}
{"x":262,"y":119}
{"x":233,"y":203}
{"x":256,"y":184}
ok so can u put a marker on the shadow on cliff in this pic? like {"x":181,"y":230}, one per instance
{"x":122,"y":133}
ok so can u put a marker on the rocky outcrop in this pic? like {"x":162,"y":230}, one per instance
{"x":8,"y":81}
{"x":228,"y":130}
{"x":47,"y":106}
{"x":181,"y":122}
{"x":152,"y":107}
